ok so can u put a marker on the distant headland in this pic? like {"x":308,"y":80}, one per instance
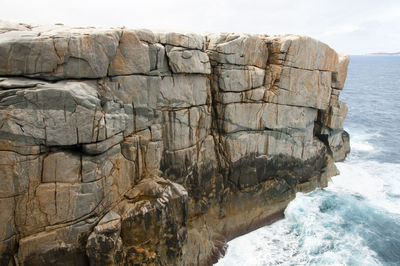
{"x":384,"y":54}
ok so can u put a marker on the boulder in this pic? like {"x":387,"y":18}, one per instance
{"x":182,"y":39}
{"x":104,"y":245}
{"x":336,"y":114}
{"x":182,"y":91}
{"x":238,"y":49}
{"x":303,"y":52}
{"x":260,"y":116}
{"x":132,"y":55}
{"x":58,"y":52}
{"x":305,"y":88}
{"x":64,"y":113}
{"x":339,"y":76}
{"x":237,"y":80}
{"x":188,"y":61}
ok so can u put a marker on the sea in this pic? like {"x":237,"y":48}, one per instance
{"x":356,"y":219}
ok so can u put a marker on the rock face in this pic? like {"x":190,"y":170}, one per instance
{"x":133,"y":147}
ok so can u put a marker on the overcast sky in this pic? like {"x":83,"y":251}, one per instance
{"x":349,"y":26}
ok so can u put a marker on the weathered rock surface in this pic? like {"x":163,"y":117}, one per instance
{"x":134,"y":147}
{"x":182,"y":60}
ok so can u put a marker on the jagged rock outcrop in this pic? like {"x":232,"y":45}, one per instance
{"x":132,"y":147}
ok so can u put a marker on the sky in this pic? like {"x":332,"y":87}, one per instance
{"x":348,"y":26}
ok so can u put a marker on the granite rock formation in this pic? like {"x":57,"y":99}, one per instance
{"x":134,"y":147}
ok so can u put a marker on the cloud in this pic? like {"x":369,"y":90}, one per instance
{"x":354,"y":27}
{"x":342,"y":29}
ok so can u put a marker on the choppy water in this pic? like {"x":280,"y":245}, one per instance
{"x":356,"y":220}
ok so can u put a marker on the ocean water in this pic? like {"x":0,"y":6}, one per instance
{"x":356,"y":219}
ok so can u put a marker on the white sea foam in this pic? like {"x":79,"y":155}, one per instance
{"x":333,"y":226}
{"x":361,"y":146}
{"x":306,"y":236}
{"x":360,"y":140}
{"x":378,"y":182}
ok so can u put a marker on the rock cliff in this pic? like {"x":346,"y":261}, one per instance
{"x":133,"y":147}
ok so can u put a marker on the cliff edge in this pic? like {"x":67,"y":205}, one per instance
{"x":132,"y":147}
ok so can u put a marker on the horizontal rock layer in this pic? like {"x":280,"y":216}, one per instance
{"x":132,"y":147}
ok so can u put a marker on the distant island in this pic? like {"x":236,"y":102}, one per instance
{"x":385,"y":54}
